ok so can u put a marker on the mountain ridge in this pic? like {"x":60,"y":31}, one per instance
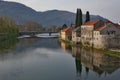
{"x":22,"y":13}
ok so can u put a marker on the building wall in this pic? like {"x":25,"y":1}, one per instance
{"x":99,"y":41}
{"x":74,"y":36}
{"x":63,"y":35}
{"x":87,"y":34}
{"x":107,"y":38}
{"x":75,"y":39}
{"x":111,"y":30}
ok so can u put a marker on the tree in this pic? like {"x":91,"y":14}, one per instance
{"x":64,"y":26}
{"x":78,"y":21}
{"x":31,"y":26}
{"x":87,"y":16}
{"x":8,"y":28}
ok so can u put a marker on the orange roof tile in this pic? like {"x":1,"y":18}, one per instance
{"x":91,"y":22}
{"x":67,"y":29}
{"x":99,"y":28}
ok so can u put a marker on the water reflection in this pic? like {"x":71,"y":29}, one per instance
{"x":98,"y":61}
{"x":89,"y":61}
{"x":48,"y":59}
{"x":28,"y":41}
{"x":8,"y":44}
{"x":36,"y":59}
{"x":66,"y":46}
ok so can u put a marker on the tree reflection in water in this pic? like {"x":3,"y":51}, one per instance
{"x":94,"y":60}
{"x":8,"y":44}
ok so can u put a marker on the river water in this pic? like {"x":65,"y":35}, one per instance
{"x":49,"y":59}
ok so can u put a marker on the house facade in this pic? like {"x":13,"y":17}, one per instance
{"x":87,"y":31}
{"x":66,"y":34}
{"x":100,"y":34}
{"x":76,"y":35}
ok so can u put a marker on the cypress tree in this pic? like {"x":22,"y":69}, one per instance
{"x":87,"y":16}
{"x":78,"y":21}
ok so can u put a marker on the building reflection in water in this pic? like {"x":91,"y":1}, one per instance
{"x":91,"y":59}
{"x":66,"y":47}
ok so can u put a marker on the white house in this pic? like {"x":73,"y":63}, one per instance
{"x":66,"y":34}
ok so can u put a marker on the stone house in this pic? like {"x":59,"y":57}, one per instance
{"x":107,"y":36}
{"x":76,"y":35}
{"x":100,"y":34}
{"x":87,"y":31}
{"x":66,"y":34}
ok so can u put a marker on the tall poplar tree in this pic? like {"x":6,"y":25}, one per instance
{"x":78,"y":21}
{"x":87,"y":16}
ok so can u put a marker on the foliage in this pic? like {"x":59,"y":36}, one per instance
{"x":67,"y":42}
{"x":87,"y":16}
{"x":52,"y":28}
{"x":64,"y":26}
{"x":30,"y":26}
{"x":78,"y":18}
{"x":8,"y":28}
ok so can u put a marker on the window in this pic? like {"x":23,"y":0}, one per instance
{"x":97,"y":38}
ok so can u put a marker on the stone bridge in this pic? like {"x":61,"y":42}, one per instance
{"x":34,"y":33}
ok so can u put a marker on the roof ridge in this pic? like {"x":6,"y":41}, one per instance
{"x":92,"y":22}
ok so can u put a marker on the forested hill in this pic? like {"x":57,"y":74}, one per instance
{"x":22,"y":14}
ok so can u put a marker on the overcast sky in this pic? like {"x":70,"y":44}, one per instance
{"x":109,"y":9}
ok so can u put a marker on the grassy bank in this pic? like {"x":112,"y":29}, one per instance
{"x":68,"y":42}
{"x":113,"y":53}
{"x":105,"y":51}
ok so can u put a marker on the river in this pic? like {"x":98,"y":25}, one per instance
{"x":49,"y":59}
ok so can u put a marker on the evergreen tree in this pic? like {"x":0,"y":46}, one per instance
{"x":87,"y":16}
{"x":64,"y":26}
{"x":78,"y":21}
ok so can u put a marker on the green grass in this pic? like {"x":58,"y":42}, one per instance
{"x":113,"y":53}
{"x":68,"y":42}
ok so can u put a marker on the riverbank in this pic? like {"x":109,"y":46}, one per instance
{"x":115,"y":52}
{"x":112,"y":52}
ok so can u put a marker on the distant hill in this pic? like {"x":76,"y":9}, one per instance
{"x":21,"y":14}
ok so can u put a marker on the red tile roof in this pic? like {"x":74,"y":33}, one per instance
{"x":99,"y":28}
{"x":92,"y":22}
{"x":65,"y":29}
{"x":68,"y":30}
{"x":106,"y":22}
